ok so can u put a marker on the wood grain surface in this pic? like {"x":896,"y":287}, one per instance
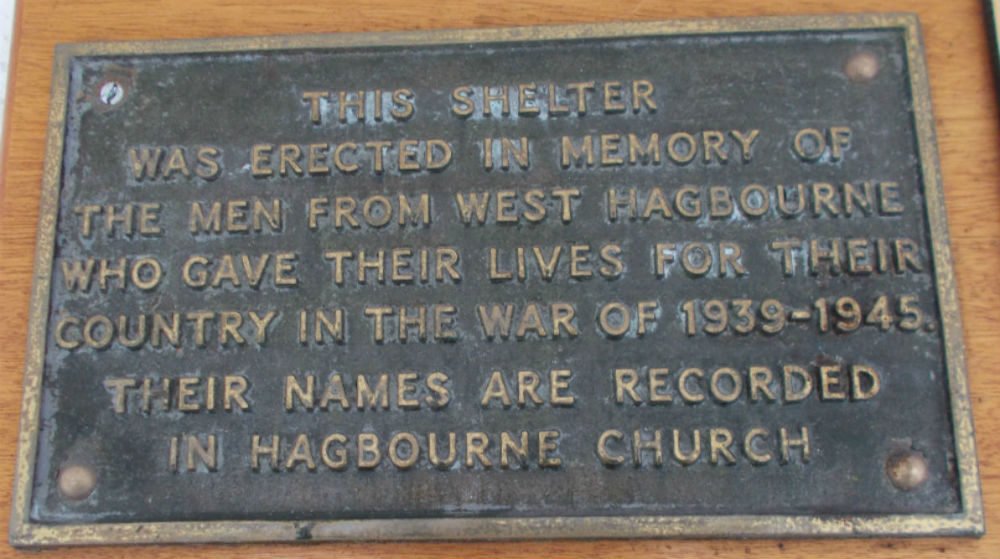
{"x":965,"y":106}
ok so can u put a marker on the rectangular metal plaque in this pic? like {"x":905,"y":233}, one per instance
{"x":625,"y":280}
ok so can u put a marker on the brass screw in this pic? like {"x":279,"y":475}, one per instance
{"x":907,"y":470}
{"x":861,"y":67}
{"x":77,"y":482}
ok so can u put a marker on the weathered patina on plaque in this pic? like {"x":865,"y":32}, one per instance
{"x":604,"y":281}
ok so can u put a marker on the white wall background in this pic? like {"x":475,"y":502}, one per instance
{"x":6,"y":25}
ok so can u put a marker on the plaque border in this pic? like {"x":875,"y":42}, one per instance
{"x":969,"y":521}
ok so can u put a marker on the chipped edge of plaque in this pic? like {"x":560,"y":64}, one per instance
{"x":969,"y":521}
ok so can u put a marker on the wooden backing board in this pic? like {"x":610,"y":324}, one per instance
{"x":962,"y":83}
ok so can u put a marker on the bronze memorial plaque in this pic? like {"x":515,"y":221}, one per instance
{"x":625,"y":280}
